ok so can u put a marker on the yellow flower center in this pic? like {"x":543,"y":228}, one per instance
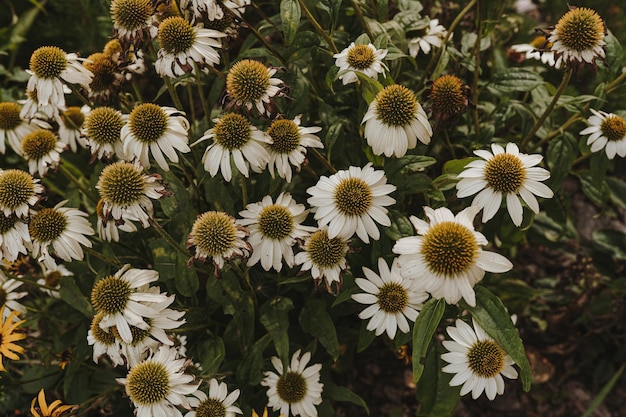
{"x":210,"y":408}
{"x":580,"y":29}
{"x":103,"y":125}
{"x":225,"y":24}
{"x":539,"y":42}
{"x":176,"y":35}
{"x":102,"y":337}
{"x":121,"y":184}
{"x":613,"y":127}
{"x":286,"y":136}
{"x":232,"y":131}
{"x":291,"y":387}
{"x":9,"y":116}
{"x":6,"y":224}
{"x":110,"y":295}
{"x":47,"y":225}
{"x":148,"y":122}
{"x":396,"y":105}
{"x":353,"y":197}
{"x":325,"y":252}
{"x":148,"y":383}
{"x":360,"y":57}
{"x":248,"y":81}
{"x":131,"y":14}
{"x":449,"y":248}
{"x":16,"y":188}
{"x":113,"y":48}
{"x":48,"y":62}
{"x":505,"y":173}
{"x":38,"y":144}
{"x":392,"y":298}
{"x":485,"y":358}
{"x":447,"y":95}
{"x":73,"y":118}
{"x":103,"y":69}
{"x":276,"y":222}
{"x":214,"y":233}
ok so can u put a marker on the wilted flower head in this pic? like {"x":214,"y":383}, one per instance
{"x":448,"y":97}
{"x":70,"y":124}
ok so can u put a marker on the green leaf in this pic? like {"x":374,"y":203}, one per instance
{"x":400,"y":227}
{"x":71,"y":294}
{"x":369,"y":87}
{"x":493,"y":317}
{"x":290,"y":16}
{"x":211,"y":353}
{"x":456,"y":166}
{"x":250,"y":370}
{"x":274,"y":317}
{"x":516,"y":79}
{"x":408,"y":163}
{"x":604,"y":392}
{"x":560,"y":155}
{"x":436,"y":397}
{"x":366,"y":337}
{"x":423,"y":330}
{"x":338,"y":393}
{"x":617,"y":188}
{"x":241,"y":308}
{"x":315,"y":320}
{"x":599,"y":194}
{"x":612,"y":241}
{"x":614,"y":53}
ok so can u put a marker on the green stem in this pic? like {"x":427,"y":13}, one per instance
{"x":449,"y":143}
{"x":88,"y":193}
{"x":173,"y":94}
{"x":167,"y":236}
{"x":205,"y":105}
{"x":557,"y":132}
{"x":615,"y":83}
{"x":266,"y":44}
{"x":323,"y":160}
{"x":547,"y":111}
{"x":476,"y":73}
{"x":244,"y":191}
{"x":361,"y":17}
{"x":78,"y":94}
{"x":102,"y":257}
{"x":318,"y":28}
{"x":581,"y":158}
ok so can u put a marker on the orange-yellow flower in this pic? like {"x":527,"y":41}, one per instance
{"x":8,"y":336}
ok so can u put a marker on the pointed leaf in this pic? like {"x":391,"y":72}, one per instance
{"x":423,"y":330}
{"x":316,"y":321}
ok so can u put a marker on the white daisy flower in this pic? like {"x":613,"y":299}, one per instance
{"x":109,"y":229}
{"x":297,"y":389}
{"x":134,"y":21}
{"x":70,"y":122}
{"x":324,"y":257}
{"x":534,"y":50}
{"x":104,"y":342}
{"x":215,"y":235}
{"x":124,"y":299}
{"x":608,"y":131}
{"x":14,"y":237}
{"x":433,"y":37}
{"x":233,"y":135}
{"x":250,"y":84}
{"x":351,"y":201}
{"x":504,"y":174}
{"x":391,"y":299}
{"x":13,"y":127}
{"x":395,"y":121}
{"x":362,"y":58}
{"x":578,"y":37}
{"x":49,"y":67}
{"x":161,"y":130}
{"x":126,"y":192}
{"x":184,"y":46}
{"x":102,"y":129}
{"x":51,"y":279}
{"x":31,"y":108}
{"x":446,"y":259}
{"x":158,"y":385}
{"x":288,"y":145}
{"x":18,"y":191}
{"x":9,"y":297}
{"x":218,"y":403}
{"x":42,"y":149}
{"x":274,"y":228}
{"x":63,"y":228}
{"x":477,"y":361}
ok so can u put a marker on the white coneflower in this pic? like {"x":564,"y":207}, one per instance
{"x":215,"y":235}
{"x":365,"y":59}
{"x":217,"y":403}
{"x":250,"y":84}
{"x":63,"y":228}
{"x":297,"y":389}
{"x":104,"y":342}
{"x":9,"y":297}
{"x":395,"y":121}
{"x":70,"y":124}
{"x":578,"y":37}
{"x":325,"y":257}
{"x":14,"y":237}
{"x":126,"y":192}
{"x":51,"y":279}
{"x":49,"y":67}
{"x":134,"y":21}
{"x":504,"y":174}
{"x":446,"y":259}
{"x":13,"y":127}
{"x":183,"y":47}
{"x":234,"y":136}
{"x":18,"y":191}
{"x":352,"y":201}
{"x":158,"y":385}
{"x":102,"y":129}
{"x":433,"y":36}
{"x":391,"y":299}
{"x":42,"y":149}
{"x":124,"y":299}
{"x":274,"y":228}
{"x":31,"y":108}
{"x":538,"y":49}
{"x":477,"y":361}
{"x":608,"y":131}
{"x":211,"y":10}
{"x":160,"y":130}
{"x":108,"y":228}
{"x":289,"y":143}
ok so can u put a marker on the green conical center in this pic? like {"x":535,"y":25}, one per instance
{"x":232,"y":131}
{"x":214,"y":233}
{"x":325,"y":252}
{"x":104,"y":71}
{"x":447,"y":95}
{"x":360,"y":57}
{"x":73,"y":118}
{"x":276,"y":221}
{"x":392,"y":298}
{"x":291,"y":387}
{"x":148,"y":383}
{"x":47,"y":225}
{"x":110,"y":295}
{"x":211,"y":408}
{"x":613,"y":128}
{"x":6,"y":224}
{"x":580,"y":29}
{"x":16,"y":188}
{"x":102,"y":337}
{"x":131,"y":14}
{"x":103,"y":125}
{"x":9,"y":116}
{"x":247,"y":81}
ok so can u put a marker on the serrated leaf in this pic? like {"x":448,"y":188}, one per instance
{"x":315,"y":320}
{"x":516,"y":79}
{"x":290,"y":17}
{"x":274,"y":317}
{"x":493,"y":317}
{"x":423,"y":330}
